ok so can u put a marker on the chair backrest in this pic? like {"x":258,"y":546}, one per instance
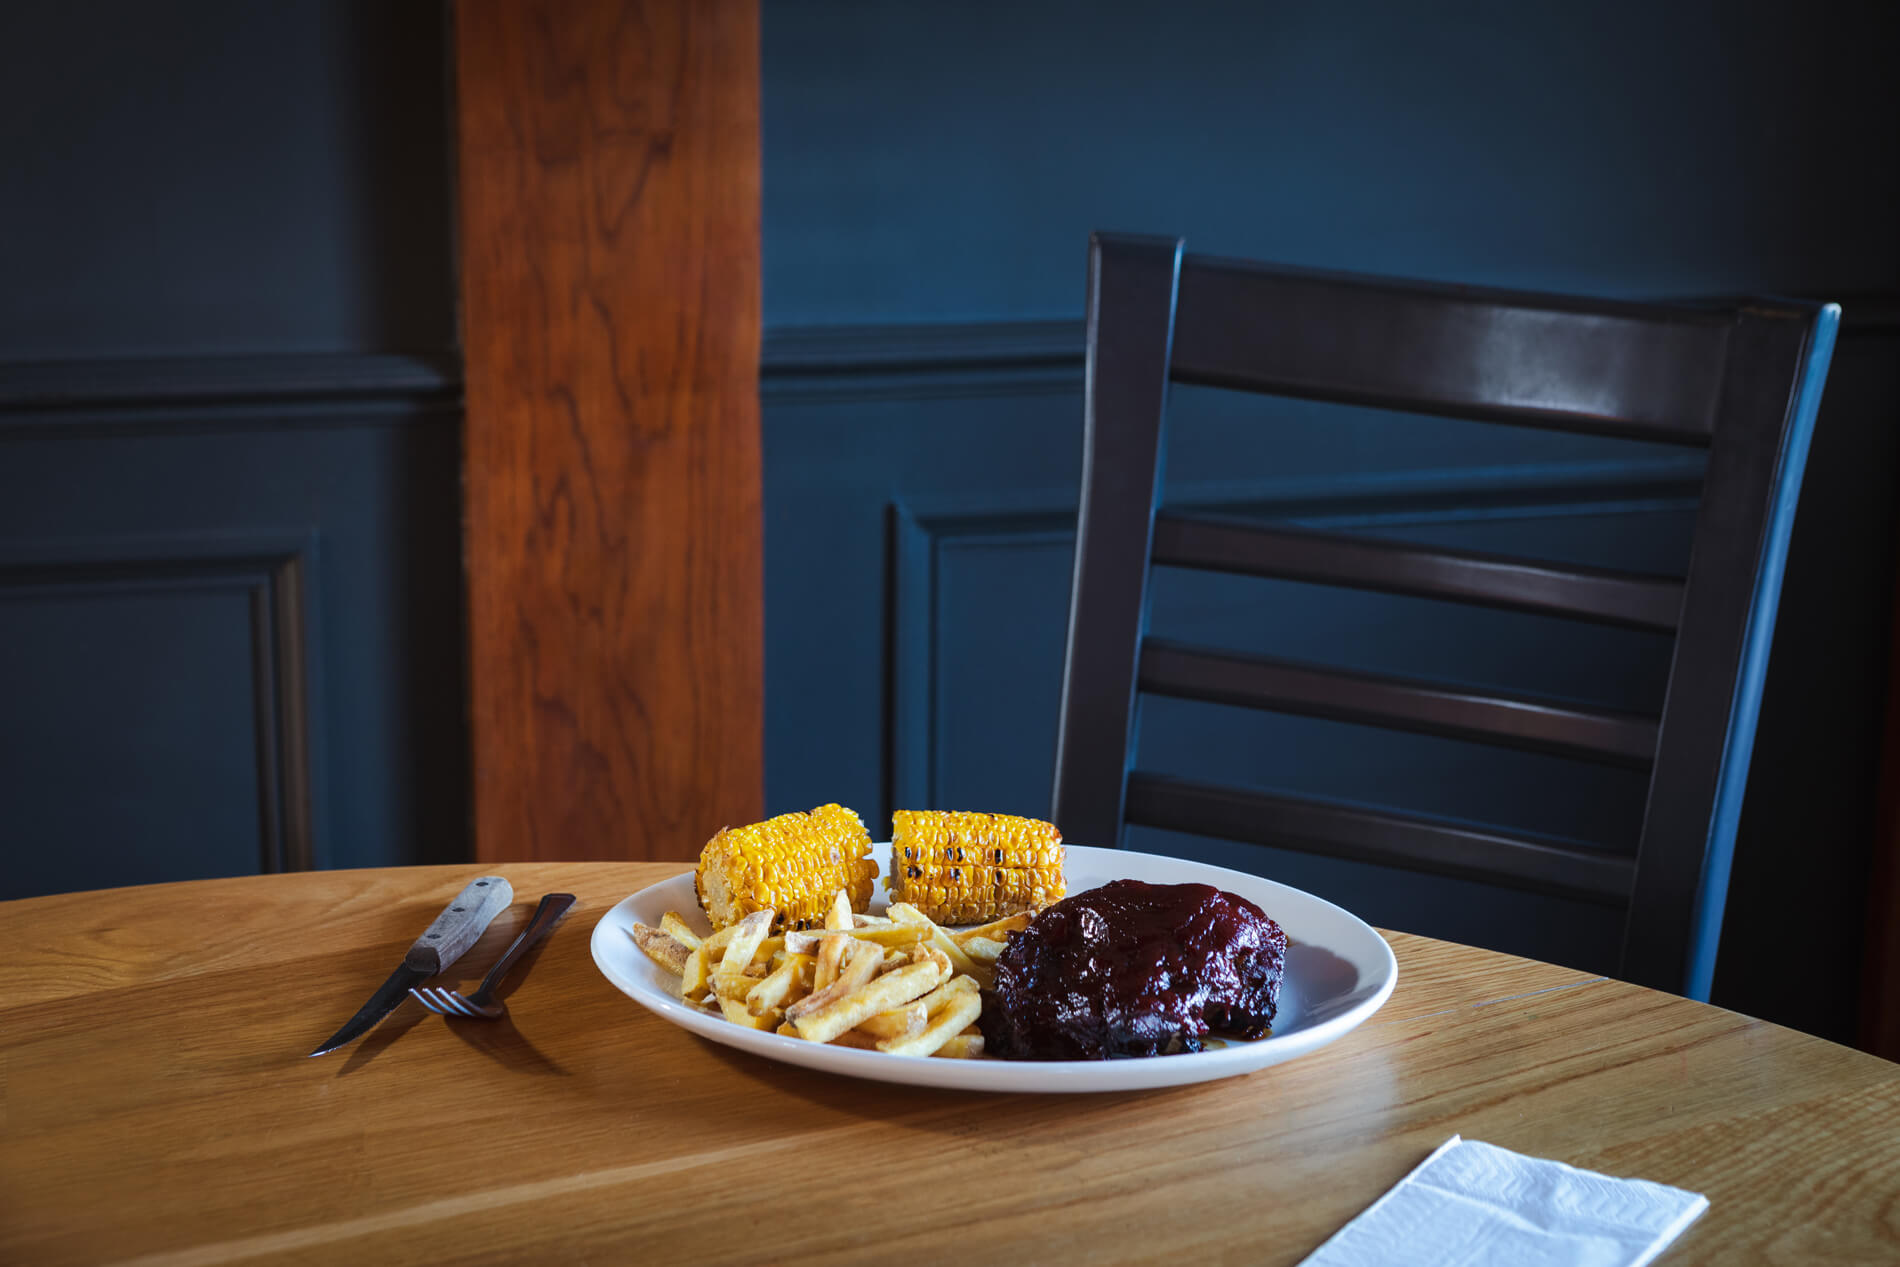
{"x":1742,"y":380}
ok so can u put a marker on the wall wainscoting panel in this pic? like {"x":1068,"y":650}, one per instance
{"x":230,"y":618}
{"x":76,"y":591}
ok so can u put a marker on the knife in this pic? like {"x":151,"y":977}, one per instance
{"x":456,"y":929}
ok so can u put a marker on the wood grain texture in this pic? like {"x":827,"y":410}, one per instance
{"x":609,"y":198}
{"x":159,"y":1109}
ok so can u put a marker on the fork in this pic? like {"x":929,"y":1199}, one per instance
{"x":482,"y":1005}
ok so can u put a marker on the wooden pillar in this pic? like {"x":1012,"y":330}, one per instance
{"x":608,"y":179}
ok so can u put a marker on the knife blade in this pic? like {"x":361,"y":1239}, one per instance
{"x":459,"y":926}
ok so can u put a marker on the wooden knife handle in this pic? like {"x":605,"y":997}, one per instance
{"x":460,"y":924}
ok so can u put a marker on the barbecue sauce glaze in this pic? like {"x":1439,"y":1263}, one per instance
{"x":1134,"y":969}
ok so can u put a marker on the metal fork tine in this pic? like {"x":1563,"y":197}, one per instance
{"x":445,"y":1002}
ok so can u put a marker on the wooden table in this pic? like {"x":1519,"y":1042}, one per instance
{"x":159,"y":1108}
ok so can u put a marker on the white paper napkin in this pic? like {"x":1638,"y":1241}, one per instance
{"x":1475,"y":1205}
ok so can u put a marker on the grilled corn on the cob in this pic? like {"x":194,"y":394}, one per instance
{"x":966,"y":868}
{"x":793,"y":864}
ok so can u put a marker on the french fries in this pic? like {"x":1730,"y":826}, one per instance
{"x":905,"y":913}
{"x":674,"y":925}
{"x":696,"y":976}
{"x":982,"y":949}
{"x":662,"y":949}
{"x":899,"y":1022}
{"x":750,"y":932}
{"x":830,"y":960}
{"x":959,"y":1012}
{"x":964,"y":1046}
{"x":901,"y":985}
{"x":834,"y":1016}
{"x":769,"y":995}
{"x":892,"y":935}
{"x":996,"y":930}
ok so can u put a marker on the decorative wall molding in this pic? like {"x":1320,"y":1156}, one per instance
{"x":276,"y":573}
{"x":889,"y":362}
{"x":168,"y":391}
{"x":816,"y":350}
{"x":796,"y":363}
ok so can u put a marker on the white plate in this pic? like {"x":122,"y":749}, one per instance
{"x":1338,"y":973}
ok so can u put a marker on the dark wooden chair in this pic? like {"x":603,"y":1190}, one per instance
{"x":1742,"y":380}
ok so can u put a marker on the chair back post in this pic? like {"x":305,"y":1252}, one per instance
{"x":1133,"y":283}
{"x":1771,"y":390}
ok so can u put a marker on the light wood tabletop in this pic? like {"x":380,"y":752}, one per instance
{"x":159,"y":1108}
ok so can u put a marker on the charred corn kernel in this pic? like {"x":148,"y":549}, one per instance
{"x":794,"y":864}
{"x":965,"y":868}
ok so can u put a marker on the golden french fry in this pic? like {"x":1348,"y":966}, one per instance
{"x":983,"y":949}
{"x":810,"y":941}
{"x":830,"y":957}
{"x":995,"y":930}
{"x":662,"y":949}
{"x":751,"y":931}
{"x":735,"y":1011}
{"x":695,"y":977}
{"x":849,"y":1009}
{"x":943,"y":1027}
{"x":861,"y":963}
{"x":777,"y":989}
{"x":898,"y":1022}
{"x":964,"y":1046}
{"x":674,"y":925}
{"x":861,"y":920}
{"x":939,"y":998}
{"x":855,"y":1038}
{"x":839,"y":916}
{"x":905,"y":913}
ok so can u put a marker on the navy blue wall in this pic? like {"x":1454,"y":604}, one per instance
{"x":932,"y":173}
{"x":944,"y":162}
{"x":230,"y":605}
{"x":220,"y":177}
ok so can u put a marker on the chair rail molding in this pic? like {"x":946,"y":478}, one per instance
{"x":209,"y":392}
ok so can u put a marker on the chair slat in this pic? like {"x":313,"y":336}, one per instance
{"x":1378,"y":837}
{"x":1615,"y":598}
{"x":1578,"y":365}
{"x":1489,"y":717}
